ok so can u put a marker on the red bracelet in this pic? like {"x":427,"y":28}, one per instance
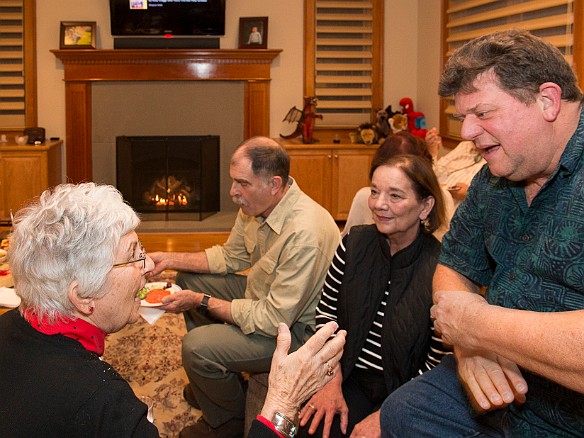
{"x":269,"y":424}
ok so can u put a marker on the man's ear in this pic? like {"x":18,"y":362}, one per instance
{"x":276,"y":184}
{"x":82,"y":305}
{"x":549,"y":100}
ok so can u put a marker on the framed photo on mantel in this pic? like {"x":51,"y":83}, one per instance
{"x":253,"y":33}
{"x":77,"y":35}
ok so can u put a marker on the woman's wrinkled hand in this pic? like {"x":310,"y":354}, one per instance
{"x":295,"y":377}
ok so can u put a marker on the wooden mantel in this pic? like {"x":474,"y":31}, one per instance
{"x":82,"y":67}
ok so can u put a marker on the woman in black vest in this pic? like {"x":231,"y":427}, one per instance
{"x":379,"y":289}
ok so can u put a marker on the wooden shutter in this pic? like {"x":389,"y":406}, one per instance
{"x":343,"y":63}
{"x":17,"y":61}
{"x":553,"y":20}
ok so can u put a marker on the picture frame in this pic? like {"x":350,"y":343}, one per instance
{"x":77,"y":35}
{"x":253,"y":32}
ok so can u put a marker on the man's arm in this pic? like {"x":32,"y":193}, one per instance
{"x":545,"y":343}
{"x":185,"y":300}
{"x":180,"y":261}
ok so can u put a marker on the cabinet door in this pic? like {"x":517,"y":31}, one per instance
{"x":350,"y":173}
{"x":22,"y":179}
{"x":312,"y":171}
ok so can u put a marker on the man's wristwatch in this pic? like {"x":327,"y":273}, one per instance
{"x":284,"y":425}
{"x":204,"y":306}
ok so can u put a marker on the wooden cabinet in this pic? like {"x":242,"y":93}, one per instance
{"x":330,"y":173}
{"x":25,"y":171}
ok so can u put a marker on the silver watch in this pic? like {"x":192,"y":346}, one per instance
{"x":284,"y":425}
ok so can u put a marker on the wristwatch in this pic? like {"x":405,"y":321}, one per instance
{"x":284,"y":425}
{"x":204,"y":306}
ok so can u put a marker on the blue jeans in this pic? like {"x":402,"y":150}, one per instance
{"x":435,"y":405}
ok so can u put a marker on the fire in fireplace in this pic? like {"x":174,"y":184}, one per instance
{"x":169,"y":177}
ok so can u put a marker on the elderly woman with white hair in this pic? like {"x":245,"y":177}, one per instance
{"x":77,"y":264}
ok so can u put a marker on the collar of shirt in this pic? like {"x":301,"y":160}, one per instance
{"x":575,"y":148}
{"x":280,"y":213}
{"x":90,"y":336}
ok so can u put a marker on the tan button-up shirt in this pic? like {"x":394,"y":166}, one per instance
{"x":289,"y":254}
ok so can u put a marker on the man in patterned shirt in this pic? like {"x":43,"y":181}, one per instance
{"x":520,"y":232}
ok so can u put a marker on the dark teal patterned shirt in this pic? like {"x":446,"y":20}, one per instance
{"x":530,"y":258}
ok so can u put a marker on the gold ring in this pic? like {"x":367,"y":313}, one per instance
{"x":329,"y":371}
{"x":310,"y":405}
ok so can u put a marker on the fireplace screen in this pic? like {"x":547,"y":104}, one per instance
{"x":169,"y":177}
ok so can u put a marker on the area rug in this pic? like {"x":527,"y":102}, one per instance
{"x":149,"y":358}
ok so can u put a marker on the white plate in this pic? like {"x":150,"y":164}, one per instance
{"x":159,"y":285}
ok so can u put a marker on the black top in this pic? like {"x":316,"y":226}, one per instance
{"x":406,"y":331}
{"x":51,"y":386}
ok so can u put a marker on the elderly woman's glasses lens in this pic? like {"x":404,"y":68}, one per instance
{"x":141,"y":258}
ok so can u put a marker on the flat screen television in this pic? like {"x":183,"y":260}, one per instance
{"x":167,"y":18}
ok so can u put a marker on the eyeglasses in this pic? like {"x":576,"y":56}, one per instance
{"x":141,"y":258}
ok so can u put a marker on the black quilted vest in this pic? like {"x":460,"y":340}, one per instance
{"x":406,"y":326}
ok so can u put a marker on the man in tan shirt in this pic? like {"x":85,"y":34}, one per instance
{"x":285,"y":242}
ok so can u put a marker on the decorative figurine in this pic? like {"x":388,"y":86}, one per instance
{"x":304,"y":119}
{"x":367,"y":133}
{"x":416,"y":119}
{"x":382,"y":123}
{"x":398,"y":122}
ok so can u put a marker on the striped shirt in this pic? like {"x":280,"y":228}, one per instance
{"x":370,"y":356}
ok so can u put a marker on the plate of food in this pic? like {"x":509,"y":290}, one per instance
{"x":152,"y":293}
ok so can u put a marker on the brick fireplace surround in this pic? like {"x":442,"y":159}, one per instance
{"x":82,"y":67}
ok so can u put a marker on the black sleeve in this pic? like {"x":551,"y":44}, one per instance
{"x":260,"y":430}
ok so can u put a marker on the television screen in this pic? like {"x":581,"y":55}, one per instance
{"x":167,"y":17}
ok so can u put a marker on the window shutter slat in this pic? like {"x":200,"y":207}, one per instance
{"x":461,"y":6}
{"x":344,"y":91}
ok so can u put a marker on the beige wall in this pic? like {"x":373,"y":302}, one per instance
{"x":411,"y":62}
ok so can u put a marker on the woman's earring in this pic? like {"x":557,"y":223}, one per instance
{"x":91,"y":309}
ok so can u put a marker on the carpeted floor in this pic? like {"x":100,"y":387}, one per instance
{"x":149,"y":358}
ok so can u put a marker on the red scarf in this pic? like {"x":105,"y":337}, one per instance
{"x":90,"y":336}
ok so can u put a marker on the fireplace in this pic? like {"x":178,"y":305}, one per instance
{"x":169,"y":177}
{"x":84,"y":67}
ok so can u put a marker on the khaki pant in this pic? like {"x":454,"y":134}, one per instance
{"x":214,"y":354}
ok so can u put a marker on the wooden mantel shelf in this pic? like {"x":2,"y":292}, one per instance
{"x":157,"y":54}
{"x":82,"y":67}
{"x":176,"y":64}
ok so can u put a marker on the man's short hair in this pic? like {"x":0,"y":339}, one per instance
{"x":520,"y":61}
{"x":268,"y":158}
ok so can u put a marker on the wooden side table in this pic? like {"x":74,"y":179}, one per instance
{"x":26,"y":171}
